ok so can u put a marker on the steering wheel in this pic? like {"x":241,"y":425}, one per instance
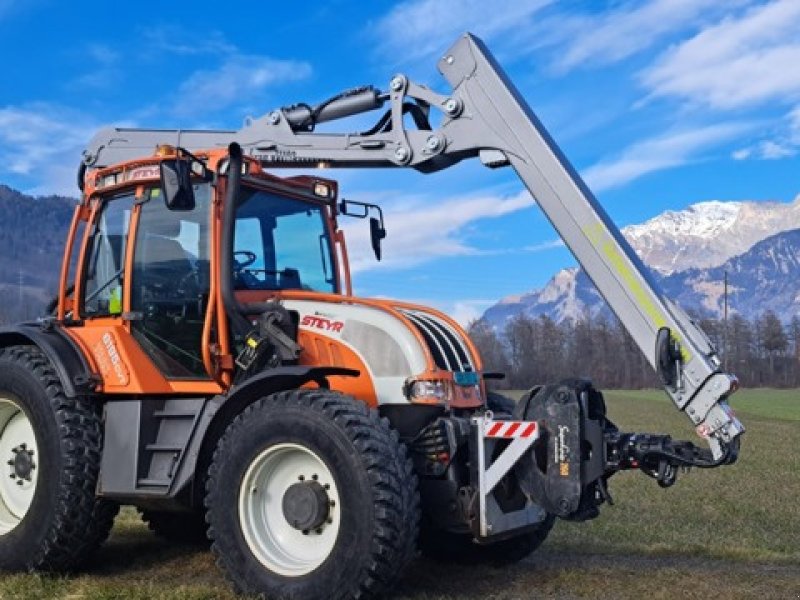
{"x":249,"y":259}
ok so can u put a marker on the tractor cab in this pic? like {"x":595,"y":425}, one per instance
{"x":149,"y":276}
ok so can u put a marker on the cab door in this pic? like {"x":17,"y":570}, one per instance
{"x":143,"y":293}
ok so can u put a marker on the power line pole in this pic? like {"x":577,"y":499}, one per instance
{"x":21,"y":317}
{"x":725,"y":321}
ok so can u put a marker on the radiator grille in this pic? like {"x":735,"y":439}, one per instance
{"x":446,"y":345}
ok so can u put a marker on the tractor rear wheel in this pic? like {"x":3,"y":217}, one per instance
{"x":311,"y":495}
{"x":50,"y":450}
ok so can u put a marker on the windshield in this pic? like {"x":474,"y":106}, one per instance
{"x":281,"y":243}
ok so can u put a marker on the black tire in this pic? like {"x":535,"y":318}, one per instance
{"x":181,"y":527}
{"x":65,"y":522}
{"x":379,"y":500}
{"x":459,"y":548}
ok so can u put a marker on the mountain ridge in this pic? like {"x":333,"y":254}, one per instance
{"x":712,"y":234}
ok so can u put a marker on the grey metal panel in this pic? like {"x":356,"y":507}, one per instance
{"x":119,"y":144}
{"x":118,"y":465}
{"x":496,"y":116}
{"x":382,"y":352}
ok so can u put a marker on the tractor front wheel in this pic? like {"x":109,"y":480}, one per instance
{"x":311,"y":495}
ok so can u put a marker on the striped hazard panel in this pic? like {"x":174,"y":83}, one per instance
{"x":511,"y":429}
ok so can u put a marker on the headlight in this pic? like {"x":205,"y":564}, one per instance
{"x":429,"y":391}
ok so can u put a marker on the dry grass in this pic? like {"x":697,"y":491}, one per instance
{"x":728,"y":533}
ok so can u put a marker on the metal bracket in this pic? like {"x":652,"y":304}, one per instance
{"x":486,"y":432}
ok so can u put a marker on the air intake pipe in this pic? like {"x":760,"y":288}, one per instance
{"x":236,"y":314}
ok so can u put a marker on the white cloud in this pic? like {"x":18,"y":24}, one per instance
{"x":786,"y":143}
{"x":610,"y":36}
{"x":102,"y":54}
{"x":240,"y":77}
{"x":419,"y":230}
{"x":42,"y":143}
{"x":742,"y":154}
{"x":420,"y":28}
{"x":739,"y":62}
{"x":463,"y":311}
{"x":660,"y":152}
{"x":177,"y":40}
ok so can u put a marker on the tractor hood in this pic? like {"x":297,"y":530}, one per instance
{"x":392,"y":341}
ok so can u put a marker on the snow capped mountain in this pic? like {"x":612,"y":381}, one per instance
{"x":708,"y":233}
{"x":689,"y":250}
{"x":766,"y":277}
{"x":566,"y":296}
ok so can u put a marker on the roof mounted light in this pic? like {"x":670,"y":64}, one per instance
{"x":322,"y":189}
{"x":165,"y":150}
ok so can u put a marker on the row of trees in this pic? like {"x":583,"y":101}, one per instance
{"x":761,"y":352}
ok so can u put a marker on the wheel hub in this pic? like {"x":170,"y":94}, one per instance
{"x":22,"y":462}
{"x":306,"y":505}
{"x":19,"y":452}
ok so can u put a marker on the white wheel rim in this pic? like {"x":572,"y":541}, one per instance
{"x":18,"y":474}
{"x":271,"y":538}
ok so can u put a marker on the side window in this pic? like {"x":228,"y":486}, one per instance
{"x":250,"y":271}
{"x":170,"y":286}
{"x":281,"y":243}
{"x":106,"y":266}
{"x":301,"y":245}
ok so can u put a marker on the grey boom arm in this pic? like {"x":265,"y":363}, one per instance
{"x":484,"y":117}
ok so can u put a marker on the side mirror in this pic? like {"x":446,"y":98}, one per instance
{"x":377,"y":233}
{"x":176,"y":184}
{"x":361,"y":210}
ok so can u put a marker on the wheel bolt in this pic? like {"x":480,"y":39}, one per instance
{"x":302,"y":478}
{"x":319,"y":531}
{"x":305,"y":531}
{"x":19,"y":482}
{"x":13,"y":476}
{"x":332,"y":503}
{"x":315,"y":477}
{"x":327,"y":486}
{"x":10,"y":463}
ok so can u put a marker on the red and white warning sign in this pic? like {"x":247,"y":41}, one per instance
{"x":510,"y":429}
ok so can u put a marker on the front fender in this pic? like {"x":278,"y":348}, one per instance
{"x":220,"y":410}
{"x":68,"y":361}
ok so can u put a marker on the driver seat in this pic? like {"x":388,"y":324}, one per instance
{"x":162,"y":263}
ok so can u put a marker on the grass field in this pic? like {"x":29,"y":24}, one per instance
{"x":732,"y":532}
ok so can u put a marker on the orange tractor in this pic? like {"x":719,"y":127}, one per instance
{"x":206,"y":361}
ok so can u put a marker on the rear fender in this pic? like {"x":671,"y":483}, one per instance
{"x":68,"y":361}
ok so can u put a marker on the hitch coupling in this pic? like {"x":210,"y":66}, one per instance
{"x":579,"y":449}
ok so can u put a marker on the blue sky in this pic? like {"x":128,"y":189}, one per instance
{"x":658,"y":103}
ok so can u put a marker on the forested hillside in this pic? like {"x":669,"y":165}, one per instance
{"x":32,"y":233}
{"x":762,"y":352}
